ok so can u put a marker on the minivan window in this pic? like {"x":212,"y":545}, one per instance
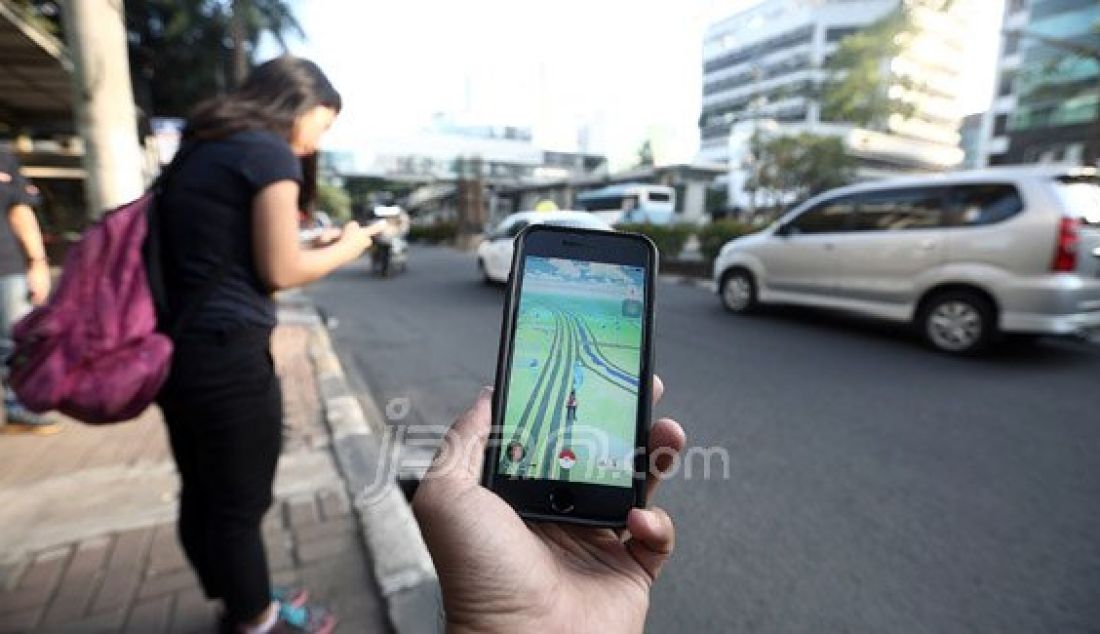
{"x":659,"y":197}
{"x":900,"y":209}
{"x":976,"y":205}
{"x":828,"y":217}
{"x":1082,"y":196}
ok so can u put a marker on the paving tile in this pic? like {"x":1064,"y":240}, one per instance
{"x":334,"y":504}
{"x":325,"y":530}
{"x":302,"y":512}
{"x":344,"y":547}
{"x":24,"y":598}
{"x":79,"y":583}
{"x":166,"y":583}
{"x":117,"y":588}
{"x":193,"y":613}
{"x":21,"y":621}
{"x":150,"y":617}
{"x":46,"y":569}
{"x":131,"y":547}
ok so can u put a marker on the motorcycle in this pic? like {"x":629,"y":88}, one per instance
{"x":389,"y":256}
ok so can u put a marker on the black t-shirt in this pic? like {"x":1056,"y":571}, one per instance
{"x":206,"y":216}
{"x":14,"y":190}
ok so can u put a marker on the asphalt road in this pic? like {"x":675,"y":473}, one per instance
{"x":873,"y":485}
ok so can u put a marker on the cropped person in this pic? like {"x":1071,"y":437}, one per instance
{"x":499,"y":573}
{"x":229,"y":233}
{"x":24,"y":281}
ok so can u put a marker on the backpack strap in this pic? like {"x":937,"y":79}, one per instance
{"x":153,"y":253}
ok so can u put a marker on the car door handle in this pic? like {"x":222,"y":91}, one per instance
{"x":829,"y":246}
{"x":928,"y":245}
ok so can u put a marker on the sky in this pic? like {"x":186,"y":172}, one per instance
{"x":627,"y":70}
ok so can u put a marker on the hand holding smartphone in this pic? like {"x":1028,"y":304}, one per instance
{"x":574,"y":378}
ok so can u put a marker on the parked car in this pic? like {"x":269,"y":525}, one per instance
{"x":963,"y":256}
{"x":494,"y":254}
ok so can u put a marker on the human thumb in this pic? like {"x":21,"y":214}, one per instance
{"x":462,"y":453}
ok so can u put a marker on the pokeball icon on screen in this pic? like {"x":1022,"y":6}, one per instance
{"x":566,"y":459}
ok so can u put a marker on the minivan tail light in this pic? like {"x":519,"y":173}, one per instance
{"x":1065,"y":252}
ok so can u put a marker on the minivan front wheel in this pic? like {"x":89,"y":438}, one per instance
{"x":738,"y":292}
{"x":959,"y":322}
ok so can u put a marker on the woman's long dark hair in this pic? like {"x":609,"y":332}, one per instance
{"x":275,"y":94}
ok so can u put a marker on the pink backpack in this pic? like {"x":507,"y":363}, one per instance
{"x":93,"y":353}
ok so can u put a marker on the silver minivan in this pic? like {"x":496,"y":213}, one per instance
{"x":963,"y":256}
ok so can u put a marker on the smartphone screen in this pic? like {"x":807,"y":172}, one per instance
{"x":571,"y":410}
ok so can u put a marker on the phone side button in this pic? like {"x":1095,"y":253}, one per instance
{"x":561,"y":500}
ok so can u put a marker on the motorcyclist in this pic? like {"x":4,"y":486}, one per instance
{"x":391,"y":239}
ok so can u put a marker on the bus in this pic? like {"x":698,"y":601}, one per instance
{"x":631,"y":202}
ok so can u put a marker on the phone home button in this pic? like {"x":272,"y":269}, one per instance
{"x":561,"y":500}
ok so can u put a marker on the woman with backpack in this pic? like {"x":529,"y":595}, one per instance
{"x":228,"y":229}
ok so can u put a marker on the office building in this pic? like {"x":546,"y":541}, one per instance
{"x":765,"y":63}
{"x":1047,"y":105}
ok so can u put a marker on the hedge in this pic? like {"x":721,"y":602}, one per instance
{"x":433,"y":233}
{"x":669,"y":239}
{"x":718,"y":233}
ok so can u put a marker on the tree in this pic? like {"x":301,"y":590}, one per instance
{"x":334,"y":201}
{"x":645,"y":154}
{"x":179,"y":52}
{"x":250,"y":20}
{"x":793,"y":167}
{"x":858,"y":77}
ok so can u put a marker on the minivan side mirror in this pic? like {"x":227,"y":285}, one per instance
{"x":783,"y":230}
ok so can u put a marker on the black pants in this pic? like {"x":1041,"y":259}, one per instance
{"x":224,"y":411}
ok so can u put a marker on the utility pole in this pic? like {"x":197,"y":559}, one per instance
{"x":103,"y":101}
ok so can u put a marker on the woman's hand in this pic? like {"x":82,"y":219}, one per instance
{"x":38,"y":281}
{"x":501,"y":574}
{"x":359,"y":238}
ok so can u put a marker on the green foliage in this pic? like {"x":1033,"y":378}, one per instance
{"x":800,"y":165}
{"x":859,"y":76}
{"x":436,"y":233}
{"x":44,"y":15}
{"x":716,"y":200}
{"x":716,"y":234}
{"x":180,"y":52}
{"x":669,"y":239}
{"x":645,"y":154}
{"x":334,"y":201}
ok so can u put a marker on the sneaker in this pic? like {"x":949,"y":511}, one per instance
{"x":305,"y":619}
{"x":17,"y":413}
{"x":21,"y":420}
{"x":290,"y":596}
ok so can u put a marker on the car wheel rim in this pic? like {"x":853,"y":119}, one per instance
{"x":955,"y":325}
{"x":738,"y":292}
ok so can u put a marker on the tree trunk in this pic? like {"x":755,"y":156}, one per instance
{"x":239,"y":37}
{"x":103,"y":102}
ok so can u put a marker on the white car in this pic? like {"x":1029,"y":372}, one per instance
{"x":494,"y":254}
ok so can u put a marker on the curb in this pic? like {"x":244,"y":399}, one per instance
{"x":400,"y":561}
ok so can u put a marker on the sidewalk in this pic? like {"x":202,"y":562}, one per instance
{"x":87,"y":535}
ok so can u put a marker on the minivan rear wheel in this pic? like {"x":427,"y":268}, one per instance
{"x":738,"y":292}
{"x":959,"y":322}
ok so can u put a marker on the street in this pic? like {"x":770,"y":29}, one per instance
{"x":873,"y":485}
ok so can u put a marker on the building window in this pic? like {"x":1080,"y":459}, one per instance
{"x":837,"y":34}
{"x":1005,"y":86}
{"x":1015,"y":6}
{"x":1000,"y":124}
{"x":1012,"y":43}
